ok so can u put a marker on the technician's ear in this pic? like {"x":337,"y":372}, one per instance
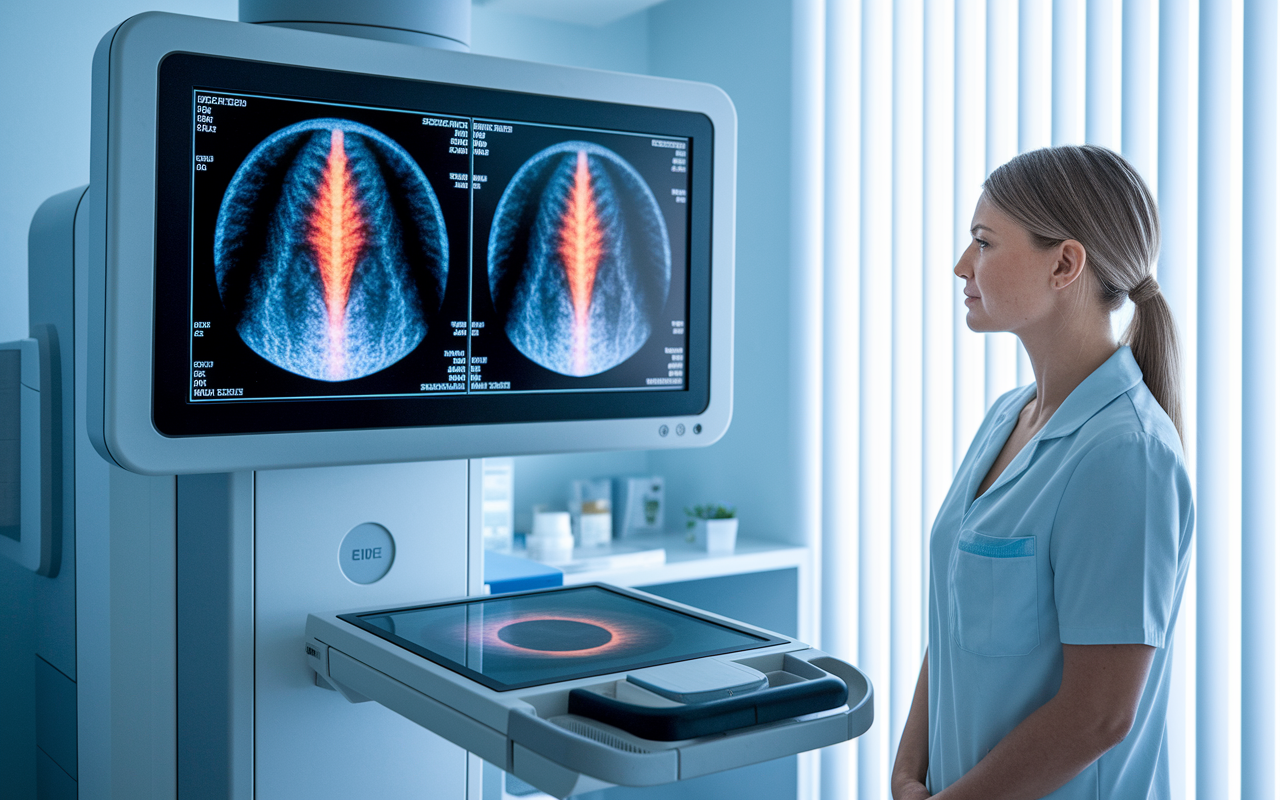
{"x":1071,"y":263}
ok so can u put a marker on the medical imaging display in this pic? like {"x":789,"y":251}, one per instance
{"x":579,"y":259}
{"x":350,"y":251}
{"x":550,"y":636}
{"x":330,"y":250}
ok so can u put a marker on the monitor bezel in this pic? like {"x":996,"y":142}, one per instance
{"x":117,"y":256}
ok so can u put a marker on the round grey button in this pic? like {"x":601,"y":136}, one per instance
{"x":680,"y":429}
{"x":366,"y":553}
{"x":663,"y":430}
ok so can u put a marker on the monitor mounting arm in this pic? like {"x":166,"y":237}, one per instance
{"x":443,"y":24}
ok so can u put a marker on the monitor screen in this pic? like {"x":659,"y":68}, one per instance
{"x":340,"y":251}
{"x":511,"y":642}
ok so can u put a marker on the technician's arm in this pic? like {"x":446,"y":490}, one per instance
{"x":912,"y":764}
{"x":1091,"y":713}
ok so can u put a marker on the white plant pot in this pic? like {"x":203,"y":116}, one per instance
{"x":717,"y":536}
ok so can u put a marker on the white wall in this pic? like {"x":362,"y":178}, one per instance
{"x":744,"y":46}
{"x":46,"y":52}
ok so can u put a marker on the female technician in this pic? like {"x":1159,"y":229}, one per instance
{"x":1059,"y":555}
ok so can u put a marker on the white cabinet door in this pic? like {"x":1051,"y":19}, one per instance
{"x":310,"y":742}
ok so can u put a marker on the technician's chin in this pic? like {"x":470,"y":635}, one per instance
{"x":1059,"y":555}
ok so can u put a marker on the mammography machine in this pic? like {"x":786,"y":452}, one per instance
{"x":312,"y":279}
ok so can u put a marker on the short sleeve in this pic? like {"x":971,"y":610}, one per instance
{"x":1118,"y":543}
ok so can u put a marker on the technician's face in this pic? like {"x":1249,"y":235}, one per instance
{"x":1006,"y":277}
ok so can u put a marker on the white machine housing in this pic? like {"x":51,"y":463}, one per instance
{"x":123,"y":193}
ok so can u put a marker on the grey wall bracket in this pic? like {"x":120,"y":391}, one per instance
{"x":29,"y":474}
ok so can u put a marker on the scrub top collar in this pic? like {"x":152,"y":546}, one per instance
{"x":1117,"y":375}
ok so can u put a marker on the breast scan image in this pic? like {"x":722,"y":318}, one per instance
{"x":579,"y":259}
{"x":330,"y":250}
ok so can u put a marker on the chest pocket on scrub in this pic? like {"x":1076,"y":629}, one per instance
{"x":994,"y":604}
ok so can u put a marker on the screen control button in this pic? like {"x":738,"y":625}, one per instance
{"x":366,"y":553}
{"x":697,"y":428}
{"x":663,"y":430}
{"x":680,"y":429}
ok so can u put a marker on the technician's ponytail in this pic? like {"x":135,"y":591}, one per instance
{"x":1153,"y":337}
{"x":1092,"y":195}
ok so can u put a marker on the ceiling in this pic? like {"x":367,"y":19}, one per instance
{"x":593,"y":13}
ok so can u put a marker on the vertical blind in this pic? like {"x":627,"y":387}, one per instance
{"x":903,"y":107}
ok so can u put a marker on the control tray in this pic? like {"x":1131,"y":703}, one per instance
{"x":579,"y":688}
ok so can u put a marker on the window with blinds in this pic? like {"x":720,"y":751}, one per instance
{"x":900,"y":111}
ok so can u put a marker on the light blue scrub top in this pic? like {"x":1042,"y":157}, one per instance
{"x":1083,"y":539}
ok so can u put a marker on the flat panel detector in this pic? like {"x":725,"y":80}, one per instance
{"x":533,"y":639}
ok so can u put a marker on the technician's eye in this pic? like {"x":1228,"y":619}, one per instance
{"x":982,"y":245}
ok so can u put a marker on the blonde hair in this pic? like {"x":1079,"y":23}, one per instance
{"x":1092,"y":195}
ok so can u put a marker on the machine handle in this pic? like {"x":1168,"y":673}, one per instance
{"x":30,"y":451}
{"x":674,"y":723}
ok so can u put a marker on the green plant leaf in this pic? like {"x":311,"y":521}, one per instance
{"x":710,"y":511}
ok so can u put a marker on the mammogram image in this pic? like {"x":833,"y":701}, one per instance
{"x":579,"y":259}
{"x":330,"y":251}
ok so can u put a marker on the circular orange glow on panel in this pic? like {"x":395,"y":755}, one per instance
{"x":570,"y":635}
{"x":620,"y":635}
{"x":555,"y":635}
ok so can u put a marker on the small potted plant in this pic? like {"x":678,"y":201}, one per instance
{"x":713,"y":527}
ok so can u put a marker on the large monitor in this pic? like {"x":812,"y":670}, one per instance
{"x":308,"y":249}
